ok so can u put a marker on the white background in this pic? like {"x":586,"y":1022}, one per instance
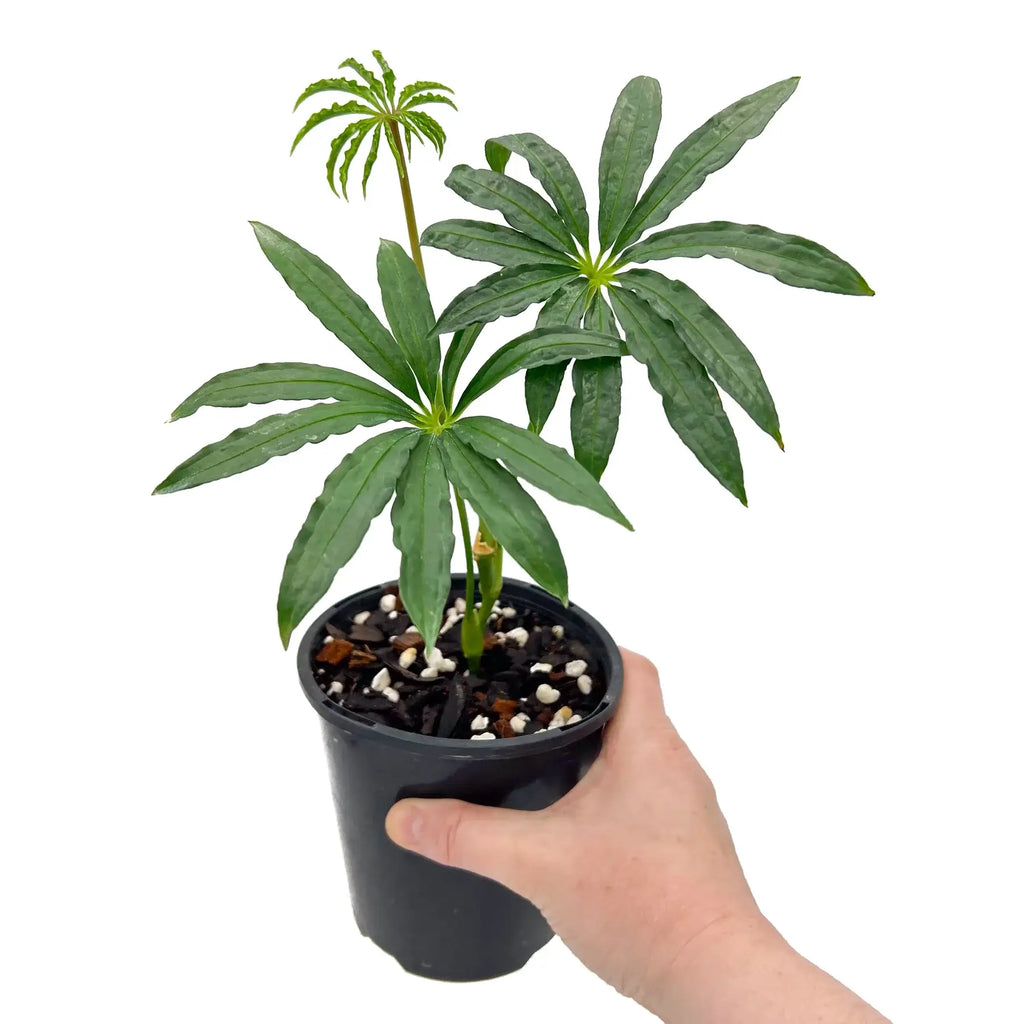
{"x":843,"y":656}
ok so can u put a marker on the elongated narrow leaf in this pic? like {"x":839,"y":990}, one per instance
{"x":496,"y":156}
{"x":328,"y":113}
{"x":355,"y":128}
{"x":505,"y":293}
{"x":790,"y":259}
{"x":422,"y":519}
{"x":362,"y":130}
{"x":251,"y":446}
{"x":337,"y":307}
{"x":430,"y":97}
{"x":557,"y":178}
{"x":691,"y":402}
{"x":537,"y":348}
{"x":387,"y":74}
{"x":371,"y":157}
{"x":511,"y":514}
{"x":416,"y":87}
{"x":712,"y":341}
{"x":366,"y":75}
{"x":353,"y":496}
{"x":543,"y":383}
{"x":599,"y":316}
{"x":521,"y":207}
{"x":428,"y":126}
{"x":275,"y":382}
{"x":626,"y":153}
{"x":594,"y":413}
{"x":408,"y":309}
{"x":491,"y":243}
{"x":339,"y":85}
{"x":707,"y":149}
{"x":461,"y":345}
{"x":538,"y":462}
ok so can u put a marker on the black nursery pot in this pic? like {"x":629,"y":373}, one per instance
{"x":441,"y":922}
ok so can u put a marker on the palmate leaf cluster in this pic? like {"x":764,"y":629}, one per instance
{"x":378,"y":110}
{"x":545,"y":252}
{"x":438,"y":447}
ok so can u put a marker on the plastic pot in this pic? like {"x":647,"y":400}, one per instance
{"x":441,"y":922}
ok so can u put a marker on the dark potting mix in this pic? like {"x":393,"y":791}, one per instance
{"x":534,"y":675}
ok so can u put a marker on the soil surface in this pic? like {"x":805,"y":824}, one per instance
{"x":509,"y":697}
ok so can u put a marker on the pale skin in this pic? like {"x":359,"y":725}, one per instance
{"x":662,"y":910}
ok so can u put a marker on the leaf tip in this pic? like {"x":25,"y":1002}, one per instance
{"x":778,"y":440}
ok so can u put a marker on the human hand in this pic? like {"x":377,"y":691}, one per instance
{"x":636,"y":871}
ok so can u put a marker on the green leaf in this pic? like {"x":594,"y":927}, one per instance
{"x":461,"y":344}
{"x":409,"y":313}
{"x":339,"y":85}
{"x":505,"y":293}
{"x":422,"y":519}
{"x":417,"y":87}
{"x":353,"y":147}
{"x":511,"y":514}
{"x":599,"y":317}
{"x":712,"y":341}
{"x":275,"y":382}
{"x":594,"y":414}
{"x":491,"y":243}
{"x":626,"y":154}
{"x":388,"y":75}
{"x":371,"y":157}
{"x":707,"y":149}
{"x":537,"y":348}
{"x":366,"y":75}
{"x":496,"y":156}
{"x":251,"y":446}
{"x":335,"y":110}
{"x":691,"y":401}
{"x":336,"y":146}
{"x":430,"y":97}
{"x":556,"y":176}
{"x":790,"y":259}
{"x":543,"y":383}
{"x":538,"y":462}
{"x":521,"y":207}
{"x":337,"y":307}
{"x":428,"y":126}
{"x":353,"y":496}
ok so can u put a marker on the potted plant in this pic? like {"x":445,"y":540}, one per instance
{"x":439,"y":684}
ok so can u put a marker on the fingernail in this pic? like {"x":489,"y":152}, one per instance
{"x":406,"y":826}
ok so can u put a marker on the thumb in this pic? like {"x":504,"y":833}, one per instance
{"x":511,"y":847}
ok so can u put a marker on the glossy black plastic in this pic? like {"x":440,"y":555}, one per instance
{"x":441,"y":922}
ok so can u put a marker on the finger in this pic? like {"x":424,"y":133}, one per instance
{"x":511,"y":847}
{"x":642,"y":706}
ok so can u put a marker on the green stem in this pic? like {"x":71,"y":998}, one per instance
{"x":472,"y":634}
{"x":410,"y":213}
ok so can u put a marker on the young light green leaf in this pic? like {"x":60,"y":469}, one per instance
{"x":496,"y":156}
{"x":538,"y":462}
{"x":430,"y":97}
{"x":712,"y":341}
{"x":511,"y":514}
{"x":691,"y":402}
{"x":521,"y":207}
{"x":537,"y":348}
{"x":275,"y":382}
{"x":417,"y":87}
{"x":251,"y":446}
{"x":790,"y":259}
{"x":505,"y":293}
{"x":422,"y":520}
{"x":626,"y":153}
{"x":707,"y":149}
{"x":366,"y":75}
{"x":353,"y":496}
{"x":362,"y":130}
{"x":339,"y":85}
{"x":556,"y":176}
{"x":336,"y":147}
{"x":371,"y":157}
{"x":409,"y":313}
{"x":337,"y":307}
{"x":388,"y":75}
{"x":461,"y":345}
{"x":428,"y":126}
{"x":594,"y":413}
{"x":491,"y":243}
{"x":543,"y":383}
{"x":327,"y":114}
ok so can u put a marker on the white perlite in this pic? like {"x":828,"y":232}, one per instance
{"x":328,"y":639}
{"x":479,"y":723}
{"x":547,"y":694}
{"x":381,"y":681}
{"x":392,"y":614}
{"x":561,"y":716}
{"x":558,"y":632}
{"x":574,"y":720}
{"x":484,"y":736}
{"x":460,"y":605}
{"x":391,"y":693}
{"x":518,"y":723}
{"x":508,"y":612}
{"x":407,"y":657}
{"x":575,"y":669}
{"x":334,"y":689}
{"x":429,"y":673}
{"x":518,"y":636}
{"x":411,"y":629}
{"x":436,"y":660}
{"x":541,"y":666}
{"x":388,"y":602}
{"x":584,"y":684}
{"x":360,"y":617}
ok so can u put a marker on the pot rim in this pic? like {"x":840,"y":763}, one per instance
{"x":536,"y":599}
